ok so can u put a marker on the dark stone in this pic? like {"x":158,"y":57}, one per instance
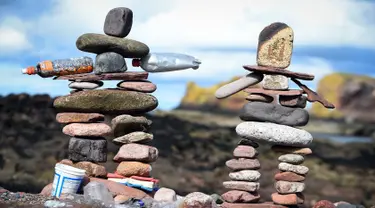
{"x":81,"y":149}
{"x":98,"y":43}
{"x":248,"y":142}
{"x":118,"y":22}
{"x":107,"y":102}
{"x":108,"y":76}
{"x":109,"y":62}
{"x":268,"y":112}
{"x":297,"y":101}
{"x":125,"y":124}
{"x":273,"y":92}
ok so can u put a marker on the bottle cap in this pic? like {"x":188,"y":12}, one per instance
{"x":136,"y":62}
{"x":29,"y":70}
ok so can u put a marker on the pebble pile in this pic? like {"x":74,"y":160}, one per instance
{"x":84,"y":110}
{"x":269,"y":121}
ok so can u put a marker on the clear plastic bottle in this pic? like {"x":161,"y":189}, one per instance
{"x":61,"y":67}
{"x":163,"y":62}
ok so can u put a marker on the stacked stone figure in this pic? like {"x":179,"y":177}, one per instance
{"x":266,"y":121}
{"x":85,"y":108}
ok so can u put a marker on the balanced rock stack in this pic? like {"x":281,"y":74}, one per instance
{"x":267,"y":121}
{"x":85,"y":108}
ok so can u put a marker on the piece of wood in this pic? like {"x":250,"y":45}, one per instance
{"x":107,"y":76}
{"x":279,"y":71}
{"x":313,"y":96}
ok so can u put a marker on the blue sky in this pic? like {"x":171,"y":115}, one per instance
{"x":330,"y":36}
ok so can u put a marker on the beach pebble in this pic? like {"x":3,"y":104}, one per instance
{"x":286,"y":187}
{"x":294,"y":159}
{"x":131,"y":168}
{"x":136,"y":152}
{"x":245,"y":175}
{"x":245,"y":151}
{"x":85,"y":85}
{"x":197,"y":200}
{"x":299,"y":169}
{"x":165,"y":194}
{"x":139,"y":86}
{"x":292,"y":150}
{"x":243,"y":164}
{"x":109,"y":62}
{"x":288,"y":199}
{"x":66,"y":118}
{"x":241,"y":185}
{"x":274,"y":134}
{"x":235,"y":196}
{"x":289,"y":176}
{"x":275,"y":82}
{"x":297,"y":101}
{"x":134,"y":137}
{"x":87,"y":129}
{"x":125,"y":124}
{"x":238,"y":85}
{"x":258,"y":97}
{"x":118,"y":22}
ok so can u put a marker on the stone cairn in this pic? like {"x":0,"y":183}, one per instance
{"x":270,"y":122}
{"x":84,"y":110}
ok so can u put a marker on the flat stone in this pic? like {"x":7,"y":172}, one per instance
{"x":288,"y":199}
{"x":245,"y":175}
{"x":241,"y":185}
{"x":278,"y":71}
{"x":87,"y":150}
{"x":121,"y":199}
{"x":260,"y":98}
{"x":139,"y":86}
{"x":87,"y":130}
{"x":273,"y":92}
{"x":136,"y":152}
{"x":298,"y":101}
{"x":238,"y":85}
{"x":274,"y":133}
{"x":324,"y":204}
{"x":92,"y":169}
{"x":197,"y":200}
{"x":107,"y":76}
{"x":252,"y":205}
{"x":294,"y":159}
{"x":245,"y":151}
{"x":107,"y":102}
{"x":99,"y":43}
{"x":299,"y":169}
{"x":235,"y":196}
{"x":286,"y":187}
{"x":165,"y":194}
{"x":133,"y":168}
{"x":118,"y":22}
{"x":243,"y":164}
{"x":66,"y":118}
{"x":313,"y":96}
{"x":274,"y":113}
{"x":125,"y":124}
{"x":292,"y":150}
{"x":248,"y":142}
{"x":85,"y":85}
{"x":109,"y":62}
{"x":275,"y":82}
{"x":289,"y":176}
{"x":134,"y":137}
{"x":275,"y":45}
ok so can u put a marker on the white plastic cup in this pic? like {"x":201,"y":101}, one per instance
{"x":67,"y":180}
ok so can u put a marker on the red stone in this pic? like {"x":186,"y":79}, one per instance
{"x":243,"y":164}
{"x":273,"y":92}
{"x":235,"y":196}
{"x":245,"y":151}
{"x":288,"y":199}
{"x":66,"y":118}
{"x":279,"y":71}
{"x":289,"y":176}
{"x":324,"y":204}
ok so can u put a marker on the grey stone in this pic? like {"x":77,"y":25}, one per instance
{"x":274,"y":134}
{"x":241,"y":185}
{"x":238,"y":85}
{"x":248,"y":142}
{"x":245,"y":175}
{"x":109,"y":62}
{"x":297,"y":101}
{"x":165,"y":194}
{"x":85,"y":85}
{"x":286,"y":187}
{"x":292,"y":159}
{"x":100,"y":43}
{"x":243,"y":164}
{"x":275,"y":82}
{"x":124,"y":124}
{"x":260,"y":98}
{"x":299,"y":169}
{"x":91,"y":150}
{"x":118,"y":22}
{"x":274,"y":113}
{"x":134,"y":137}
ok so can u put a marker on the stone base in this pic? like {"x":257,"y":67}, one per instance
{"x":255,"y":205}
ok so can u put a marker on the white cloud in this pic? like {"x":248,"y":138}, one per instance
{"x":184,"y":24}
{"x":13,"y":36}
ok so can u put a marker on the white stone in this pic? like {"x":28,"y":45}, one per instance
{"x":292,"y":159}
{"x":274,"y":134}
{"x":238,"y":85}
{"x":245,"y":175}
{"x":85,"y":85}
{"x":275,"y":82}
{"x":299,"y":169}
{"x":165,"y":194}
{"x":286,"y":187}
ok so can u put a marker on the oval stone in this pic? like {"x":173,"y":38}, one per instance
{"x":107,"y":101}
{"x":292,"y":159}
{"x":131,"y":168}
{"x":134,"y":137}
{"x":139,"y":86}
{"x":243,"y":164}
{"x":99,"y":43}
{"x":85,"y":85}
{"x":274,"y":134}
{"x":245,"y":151}
{"x":136,"y":152}
{"x":109,"y":62}
{"x":289,"y":176}
{"x":288,"y":199}
{"x":274,"y":113}
{"x":286,"y":187}
{"x":241,"y":185}
{"x":235,"y":196}
{"x":87,"y":129}
{"x":66,"y":118}
{"x":299,"y":169}
{"x":245,"y":175}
